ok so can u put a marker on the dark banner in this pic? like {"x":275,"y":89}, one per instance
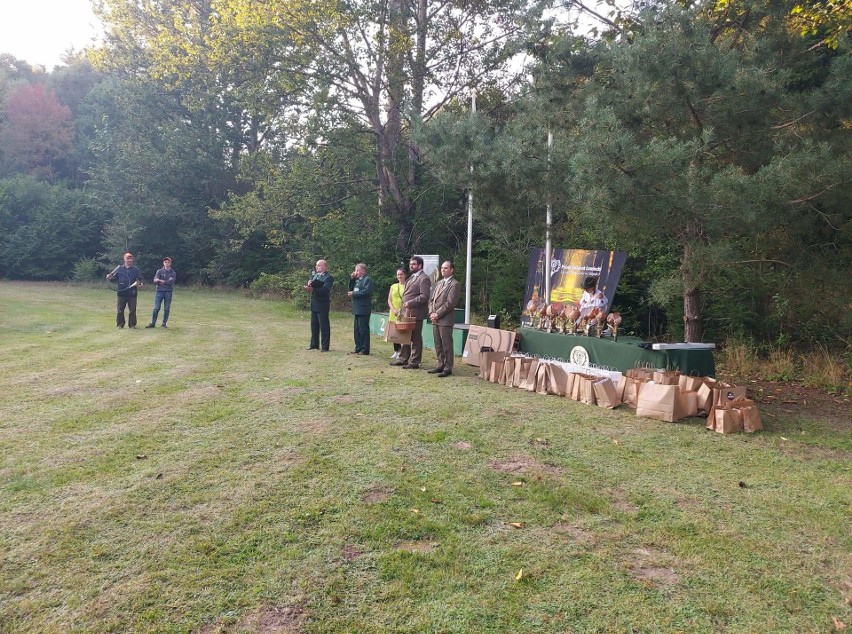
{"x":567,"y":269}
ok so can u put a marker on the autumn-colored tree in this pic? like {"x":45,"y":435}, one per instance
{"x":37,"y":131}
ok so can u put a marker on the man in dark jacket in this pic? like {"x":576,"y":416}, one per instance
{"x":129,"y":278}
{"x":319,"y":286}
{"x":361,"y":292}
{"x":164,"y":280}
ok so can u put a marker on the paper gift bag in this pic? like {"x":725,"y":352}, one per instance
{"x":690,"y":403}
{"x":395,"y":335}
{"x":532,"y":375}
{"x":587,"y":389}
{"x":728,"y":421}
{"x":660,"y":402}
{"x":630,"y":391}
{"x":688,"y":383}
{"x":496,"y":370}
{"x":606,"y":394}
{"x":574,"y":393}
{"x":724,"y":395}
{"x":542,"y":378}
{"x":666,"y":377}
{"x":526,"y":367}
{"x":522,"y":366}
{"x":751,"y":419}
{"x":705,"y":398}
{"x":645,"y":374}
{"x":486,"y":359}
{"x":509,"y":371}
{"x":569,"y":384}
{"x":558,"y":380}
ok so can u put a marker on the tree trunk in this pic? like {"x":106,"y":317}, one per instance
{"x":692,"y":315}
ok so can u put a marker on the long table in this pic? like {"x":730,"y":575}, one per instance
{"x":606,"y":353}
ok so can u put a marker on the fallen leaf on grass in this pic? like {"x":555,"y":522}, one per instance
{"x":415,"y":510}
{"x":516,"y":524}
{"x":436,"y":501}
{"x":422,"y":488}
{"x":615,"y":442}
{"x":782,"y":438}
{"x":266,"y":378}
{"x":838,"y":624}
{"x":141,"y":456}
{"x":159,"y":476}
{"x":520,"y":575}
{"x":517,"y":484}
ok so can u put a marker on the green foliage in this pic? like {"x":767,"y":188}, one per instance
{"x":86,"y":270}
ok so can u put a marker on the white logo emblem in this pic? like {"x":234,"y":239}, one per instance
{"x":579,"y":356}
{"x":555,"y":265}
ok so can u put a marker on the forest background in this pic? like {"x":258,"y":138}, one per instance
{"x":247,"y":138}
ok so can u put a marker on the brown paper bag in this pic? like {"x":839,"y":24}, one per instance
{"x":522,"y":366}
{"x":509,"y":372}
{"x":542,"y":378}
{"x":660,"y":402}
{"x":630,"y":391}
{"x":688,"y":383}
{"x":532,"y":375}
{"x":558,"y":380}
{"x":496,"y":370}
{"x":606,"y":394}
{"x":705,"y":398}
{"x":689,"y":402}
{"x":723,"y":397}
{"x":394,"y":335}
{"x":645,"y":374}
{"x":569,"y":384}
{"x":751,"y":419}
{"x":666,"y":377}
{"x":587,"y":389}
{"x":487,"y":358}
{"x":728,"y":421}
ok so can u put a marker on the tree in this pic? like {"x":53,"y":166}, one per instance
{"x":37,"y":132}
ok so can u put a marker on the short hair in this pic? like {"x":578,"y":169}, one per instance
{"x":361,"y":265}
{"x":402,"y":270}
{"x":128,"y":254}
{"x":167,"y":259}
{"x":450,"y":262}
{"x":418,"y":259}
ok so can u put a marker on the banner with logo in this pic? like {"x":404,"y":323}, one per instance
{"x":567,"y":269}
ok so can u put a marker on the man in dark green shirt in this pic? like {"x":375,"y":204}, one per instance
{"x":361,"y":292}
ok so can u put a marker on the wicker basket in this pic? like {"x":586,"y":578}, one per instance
{"x":406,"y":323}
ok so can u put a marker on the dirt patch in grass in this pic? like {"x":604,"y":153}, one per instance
{"x":314,"y":426}
{"x":575,"y":532}
{"x":281,"y":394}
{"x":377,"y":494}
{"x":417,"y":546}
{"x":462,"y":445}
{"x":351,"y":552}
{"x":646,"y":565}
{"x":273,"y":620}
{"x":620,"y":501}
{"x":519,"y":463}
{"x":345,"y":399}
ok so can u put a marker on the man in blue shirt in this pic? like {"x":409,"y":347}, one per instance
{"x":129,"y":279}
{"x":164,"y":280}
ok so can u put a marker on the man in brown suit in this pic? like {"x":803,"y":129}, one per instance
{"x":415,"y":303}
{"x":442,"y":310}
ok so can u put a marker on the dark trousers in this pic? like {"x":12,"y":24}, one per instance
{"x":320,"y":326}
{"x":412,"y":353}
{"x":362,"y":334}
{"x":130,"y":303}
{"x":444,"y":346}
{"x":166,"y":300}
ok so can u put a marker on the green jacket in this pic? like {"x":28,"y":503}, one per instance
{"x":362,"y":295}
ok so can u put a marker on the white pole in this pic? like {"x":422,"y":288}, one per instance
{"x":468,"y":270}
{"x":547,"y":246}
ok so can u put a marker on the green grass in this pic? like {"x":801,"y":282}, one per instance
{"x":217,"y":477}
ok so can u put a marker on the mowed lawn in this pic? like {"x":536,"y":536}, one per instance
{"x":218,"y":477}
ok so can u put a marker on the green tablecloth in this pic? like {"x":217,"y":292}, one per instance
{"x":379,"y":320}
{"x":621,"y":356}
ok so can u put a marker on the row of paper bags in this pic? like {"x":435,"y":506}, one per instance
{"x":659,"y":394}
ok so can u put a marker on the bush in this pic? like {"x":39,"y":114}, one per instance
{"x":86,"y":270}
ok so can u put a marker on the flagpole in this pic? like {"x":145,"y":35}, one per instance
{"x":547,"y":245}
{"x":468,"y":268}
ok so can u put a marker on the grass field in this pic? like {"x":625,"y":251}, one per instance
{"x":217,"y":477}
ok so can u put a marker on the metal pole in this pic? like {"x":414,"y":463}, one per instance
{"x":547,"y":246}
{"x":468,"y":270}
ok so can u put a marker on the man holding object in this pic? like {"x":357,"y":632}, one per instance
{"x":361,"y":293}
{"x":415,"y":302}
{"x":442,"y":312}
{"x":129,"y":279}
{"x":319,"y":287}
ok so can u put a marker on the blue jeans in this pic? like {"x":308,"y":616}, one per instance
{"x":166,"y":300}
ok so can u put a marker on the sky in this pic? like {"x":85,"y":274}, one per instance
{"x":40,"y":31}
